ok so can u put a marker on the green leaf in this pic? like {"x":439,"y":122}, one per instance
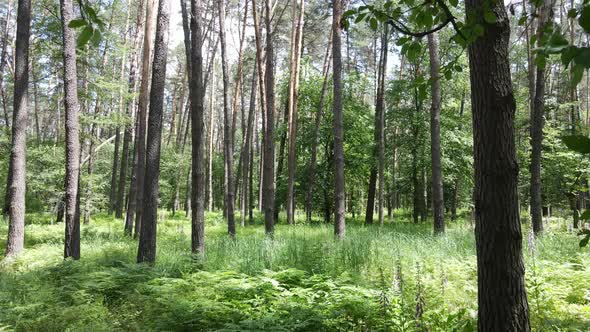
{"x":577,"y":73}
{"x":568,"y":54}
{"x":84,"y":37}
{"x":572,"y":13}
{"x":585,"y":215}
{"x":522,"y":20}
{"x":96,"y":38}
{"x":77,"y":23}
{"x":489,"y":17}
{"x":584,"y":241}
{"x":454,"y":3}
{"x":578,"y":143}
{"x":584,"y":19}
{"x":373,"y":23}
{"x":360,"y":17}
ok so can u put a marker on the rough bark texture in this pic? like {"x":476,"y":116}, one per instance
{"x":227,"y":128}
{"x":339,"y":187}
{"x":3,"y":55}
{"x":18,"y":153}
{"x":147,"y":240}
{"x":197,"y":92}
{"x":247,"y":168}
{"x":269,"y":146}
{"x":537,"y":123}
{"x":502,"y":296}
{"x":438,"y":207}
{"x":72,"y":233}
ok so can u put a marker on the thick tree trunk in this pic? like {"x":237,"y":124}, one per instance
{"x":227,"y":128}
{"x":142,"y":113}
{"x":537,"y":123}
{"x":438,"y":206}
{"x":147,"y":241}
{"x":316,"y":132}
{"x":196,"y":92}
{"x":72,"y":233}
{"x":297,"y":37}
{"x":18,"y":153}
{"x":502,"y":296}
{"x":269,"y":146}
{"x":339,"y":186}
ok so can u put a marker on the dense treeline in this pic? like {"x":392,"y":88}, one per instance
{"x":299,"y":112}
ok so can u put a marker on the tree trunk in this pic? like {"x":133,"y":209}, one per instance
{"x":246,"y":150}
{"x":142,"y":113}
{"x":537,"y":123}
{"x":502,"y":296}
{"x":127,"y":136}
{"x":72,"y":233}
{"x":296,"y":36}
{"x":3,"y":61}
{"x":269,"y":146}
{"x":147,"y":240}
{"x":316,"y":132}
{"x":438,"y":206}
{"x":18,"y":153}
{"x":339,"y":186}
{"x":227,"y":128}
{"x":196,"y":93}
{"x":380,"y":119}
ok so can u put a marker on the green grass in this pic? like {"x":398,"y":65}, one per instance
{"x":303,"y":280}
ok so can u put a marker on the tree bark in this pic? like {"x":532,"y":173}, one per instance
{"x":196,"y":92}
{"x":380,"y":115}
{"x":339,"y":186}
{"x":72,"y":232}
{"x":502,"y":296}
{"x":438,"y":207}
{"x":297,"y":37}
{"x":537,"y":123}
{"x":269,"y":148}
{"x":18,"y":153}
{"x":246,"y":150}
{"x":3,"y":60}
{"x":227,"y":128}
{"x":147,"y":241}
{"x":142,"y":113}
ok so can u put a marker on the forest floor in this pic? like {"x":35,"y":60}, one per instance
{"x":394,"y":278}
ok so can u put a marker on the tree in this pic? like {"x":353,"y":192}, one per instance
{"x":227,"y":128}
{"x":339,"y":189}
{"x":296,"y":38}
{"x":437,"y":182}
{"x":147,"y":240}
{"x":142,"y":114}
{"x":537,"y":123}
{"x":197,"y":92}
{"x":380,"y":120}
{"x":72,"y":199}
{"x":502,"y":300}
{"x":18,"y":154}
{"x":269,"y":147}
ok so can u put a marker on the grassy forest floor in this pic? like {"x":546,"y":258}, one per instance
{"x":395,"y":278}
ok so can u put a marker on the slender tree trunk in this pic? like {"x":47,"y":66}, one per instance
{"x":438,"y":206}
{"x":72,"y":233}
{"x":142,"y":112}
{"x":18,"y":153}
{"x":529,"y":27}
{"x":227,"y":128}
{"x":146,"y":251}
{"x":127,"y":136}
{"x":210,"y":139}
{"x":269,"y":148}
{"x":380,"y":118}
{"x":297,"y":37}
{"x":316,"y":132}
{"x":339,"y":186}
{"x":455,"y":201}
{"x":246,"y":150}
{"x":537,"y":123}
{"x":196,"y":92}
{"x":502,"y":299}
